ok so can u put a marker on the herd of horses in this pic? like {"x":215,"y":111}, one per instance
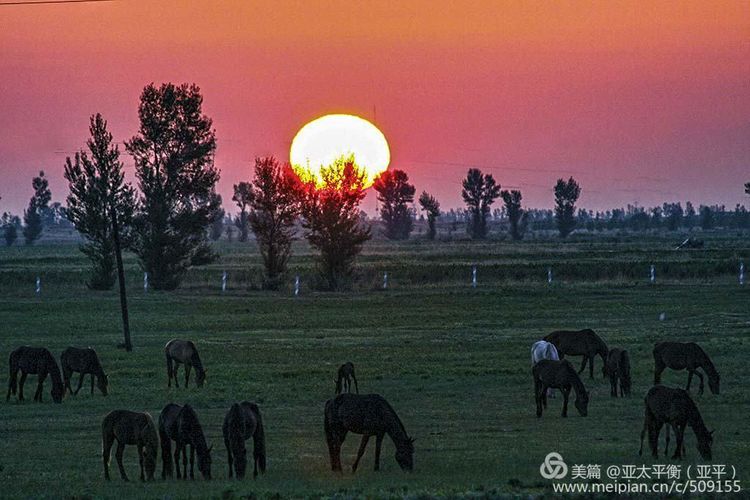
{"x":368,"y":415}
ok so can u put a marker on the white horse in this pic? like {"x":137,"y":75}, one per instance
{"x":544,"y":350}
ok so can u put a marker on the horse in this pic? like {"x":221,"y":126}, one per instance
{"x":344,"y":378}
{"x":180,"y":424}
{"x":559,"y":375}
{"x":584,"y":343}
{"x":540,"y":350}
{"x":617,"y":368}
{"x":681,"y":356}
{"x":36,"y":361}
{"x":675,"y":408}
{"x":369,"y":415}
{"x":86,"y":362}
{"x":183,"y":351}
{"x":243,"y":421}
{"x":129,"y":427}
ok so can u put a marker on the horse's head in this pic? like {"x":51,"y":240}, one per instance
{"x":582,"y":403}
{"x":200,"y":378}
{"x":103,"y":384}
{"x":204,"y":463}
{"x":149,"y":461}
{"x":405,"y":455}
{"x":713,"y":384}
{"x":704,"y":445}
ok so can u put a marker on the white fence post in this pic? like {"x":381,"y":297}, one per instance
{"x":145,"y":282}
{"x":474,"y":277}
{"x":742,"y":273}
{"x":652,"y":274}
{"x":296,"y":285}
{"x":224,"y":282}
{"x":549,"y":275}
{"x":38,"y":288}
{"x":385,"y":280}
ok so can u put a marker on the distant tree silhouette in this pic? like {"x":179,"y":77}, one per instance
{"x":216,"y":229}
{"x":274,"y":206}
{"x":516,"y":214}
{"x":332,"y":219}
{"x":174,"y":161}
{"x":747,"y":188}
{"x":243,"y":194}
{"x":39,"y":202}
{"x":479,"y":193}
{"x":395,"y":194}
{"x":707,"y":217}
{"x":10,"y":224}
{"x":432,"y":207}
{"x":674,"y":214}
{"x":566,"y":196}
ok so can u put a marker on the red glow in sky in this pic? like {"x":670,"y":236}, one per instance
{"x":641,"y":102}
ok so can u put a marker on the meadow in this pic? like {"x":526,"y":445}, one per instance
{"x":453,"y":361}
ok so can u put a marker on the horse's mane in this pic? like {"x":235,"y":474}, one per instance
{"x":195,"y":360}
{"x":54,"y":370}
{"x":189,"y":414}
{"x":708,"y":364}
{"x":400,"y":424}
{"x":149,"y":434}
{"x":235,"y":424}
{"x":695,"y":420}
{"x":575,"y":379}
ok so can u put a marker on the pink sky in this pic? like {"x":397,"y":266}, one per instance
{"x":640,"y":102}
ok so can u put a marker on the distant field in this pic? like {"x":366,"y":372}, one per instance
{"x":452,"y":360}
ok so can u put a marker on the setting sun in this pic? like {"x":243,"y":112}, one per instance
{"x":324,"y":139}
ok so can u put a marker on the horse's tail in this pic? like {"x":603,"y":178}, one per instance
{"x":625,"y":380}
{"x":169,"y":365}
{"x":166,"y":449}
{"x":339,"y":379}
{"x":356,"y":386}
{"x":259,"y":442}
{"x":12,"y":379}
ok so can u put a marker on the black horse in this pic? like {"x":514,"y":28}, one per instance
{"x":180,"y":424}
{"x":676,"y":409}
{"x":344,"y":378}
{"x":242,"y":422}
{"x":685,"y":356}
{"x":36,"y":361}
{"x":85,"y":362}
{"x":369,"y":415}
{"x":584,"y":343}
{"x":134,"y":428}
{"x":617,"y":368}
{"x":183,"y":352}
{"x":561,"y":375}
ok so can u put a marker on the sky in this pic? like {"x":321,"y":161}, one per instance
{"x":642,"y":102}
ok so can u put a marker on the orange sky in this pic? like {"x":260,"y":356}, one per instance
{"x":642,"y":103}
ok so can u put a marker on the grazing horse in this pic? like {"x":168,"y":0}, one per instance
{"x":36,"y":361}
{"x":85,"y":362}
{"x":681,"y":356}
{"x":180,"y":424}
{"x":676,"y":409}
{"x":129,"y":427}
{"x":243,"y":421}
{"x":617,"y":368}
{"x":369,"y":415}
{"x":584,"y":343}
{"x":558,"y":375}
{"x":183,"y":351}
{"x":540,"y":350}
{"x":345,"y":377}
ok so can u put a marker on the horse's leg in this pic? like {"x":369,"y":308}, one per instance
{"x":66,"y":372}
{"x":169,"y":371}
{"x":653,"y":438}
{"x":591,"y":367}
{"x":192,"y":462}
{"x":187,"y":374}
{"x":40,"y":387}
{"x":566,"y":394}
{"x":583,"y":365}
{"x":92,"y":383}
{"x":362,"y":446}
{"x":118,"y":455}
{"x":700,"y":387}
{"x":174,"y":373}
{"x":378,"y":446}
{"x":21,"y":381}
{"x":679,"y":431}
{"x":612,"y":385}
{"x":659,"y":367}
{"x":107,"y":442}
{"x":80,"y":384}
{"x":666,"y":442}
{"x":184,"y":461}
{"x":229,"y":456}
{"x":690,"y":380}
{"x":177,"y":451}
{"x":140,"y":459}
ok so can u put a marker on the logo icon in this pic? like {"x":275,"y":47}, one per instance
{"x":553,"y":466}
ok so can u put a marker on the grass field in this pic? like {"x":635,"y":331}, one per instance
{"x":452,"y":360}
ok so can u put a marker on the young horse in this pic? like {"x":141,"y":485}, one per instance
{"x":128,"y":427}
{"x":584,"y":343}
{"x":559,"y":375}
{"x":540,"y":350}
{"x":243,"y":421}
{"x":183,"y":351}
{"x":369,"y":415}
{"x":180,"y":424}
{"x":36,"y":361}
{"x":617,"y":368}
{"x":676,"y":409}
{"x":345,"y":377}
{"x":85,"y":362}
{"x":681,"y":356}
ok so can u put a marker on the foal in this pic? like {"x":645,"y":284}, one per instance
{"x":617,"y":368}
{"x":180,"y":424}
{"x":183,"y":351}
{"x":558,"y":375}
{"x":36,"y":361}
{"x":85,"y":362}
{"x":128,"y":427}
{"x":345,"y":377}
{"x":243,"y":421}
{"x":681,"y":356}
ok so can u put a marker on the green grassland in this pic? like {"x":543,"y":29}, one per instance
{"x":452,"y":360}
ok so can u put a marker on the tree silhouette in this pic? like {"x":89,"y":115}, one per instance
{"x":747,"y":188}
{"x":432,"y":207}
{"x":243,"y":194}
{"x":332,"y":219}
{"x":516,"y":214}
{"x":10,"y":224}
{"x":216,"y":229}
{"x":566,"y":195}
{"x":39,"y":202}
{"x":479,"y":193}
{"x":174,"y":162}
{"x":394,"y":194}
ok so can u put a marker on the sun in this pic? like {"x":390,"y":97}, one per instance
{"x":329,"y":137}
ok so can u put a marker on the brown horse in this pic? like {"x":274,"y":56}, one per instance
{"x":183,"y":351}
{"x":243,"y":421}
{"x":369,"y":415}
{"x":344,"y":378}
{"x":85,"y":362}
{"x":676,"y":409}
{"x":129,"y":427}
{"x":558,"y":375}
{"x":36,"y":361}
{"x":617,"y":368}
{"x":681,"y":356}
{"x":584,"y":343}
{"x":180,"y":424}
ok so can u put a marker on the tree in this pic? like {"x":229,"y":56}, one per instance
{"x":479,"y":193}
{"x":243,"y":195}
{"x":39,"y":202}
{"x":10,"y":224}
{"x":566,"y":195}
{"x":332,"y":219}
{"x":216,"y":229}
{"x":674,"y":213}
{"x":516,"y":214}
{"x":432,"y":207}
{"x":174,"y":164}
{"x":274,"y":206}
{"x":707,"y":218}
{"x":747,"y":188}
{"x":394,"y":194}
